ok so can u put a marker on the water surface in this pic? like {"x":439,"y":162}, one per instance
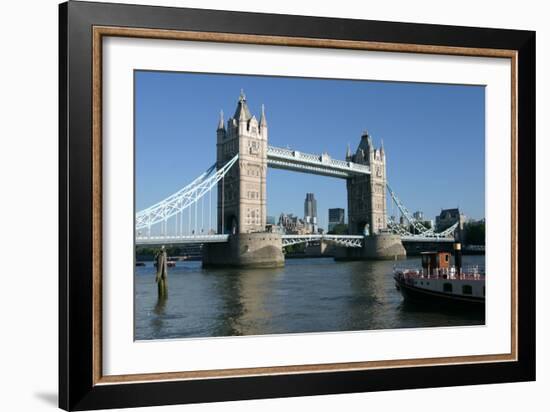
{"x":307,"y":295}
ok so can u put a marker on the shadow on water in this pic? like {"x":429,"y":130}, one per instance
{"x":435,"y":314}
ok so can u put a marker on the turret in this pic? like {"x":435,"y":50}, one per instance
{"x":263,"y":124}
{"x":221,"y":128}
{"x":253,"y":122}
{"x":242,"y":113}
{"x":365,"y":149}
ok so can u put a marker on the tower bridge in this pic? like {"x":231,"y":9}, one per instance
{"x":238,"y":179}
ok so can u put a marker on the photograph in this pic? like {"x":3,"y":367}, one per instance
{"x":257,"y":205}
{"x":270,"y":205}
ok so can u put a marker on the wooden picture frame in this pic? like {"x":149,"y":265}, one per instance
{"x":82,"y":385}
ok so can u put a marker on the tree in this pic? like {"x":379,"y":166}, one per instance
{"x":426,"y":223}
{"x":297,"y":248}
{"x":340,"y":229}
{"x":474,"y":233}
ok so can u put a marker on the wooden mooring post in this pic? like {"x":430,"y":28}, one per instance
{"x":162,"y":273}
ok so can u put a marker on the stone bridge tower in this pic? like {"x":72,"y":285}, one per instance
{"x":367,"y":213}
{"x":242,"y":193}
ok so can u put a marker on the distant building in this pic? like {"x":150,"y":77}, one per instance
{"x":449,"y":217}
{"x":336,"y":217}
{"x":310,"y":212}
{"x":418,"y":215}
{"x":293,"y":225}
{"x":275,"y":229}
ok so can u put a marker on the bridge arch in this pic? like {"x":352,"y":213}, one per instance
{"x":363,"y":228}
{"x":231,"y":225}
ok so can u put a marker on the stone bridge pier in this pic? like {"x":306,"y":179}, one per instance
{"x":250,"y":250}
{"x":382,"y":246}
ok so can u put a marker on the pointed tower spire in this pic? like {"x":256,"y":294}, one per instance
{"x":348,"y":153}
{"x":382,"y":146}
{"x":242,"y":113}
{"x":221,"y":125}
{"x":263,"y":120}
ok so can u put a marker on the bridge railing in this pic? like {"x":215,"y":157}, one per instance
{"x":344,"y":240}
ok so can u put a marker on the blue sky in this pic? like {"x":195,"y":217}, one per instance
{"x":433,"y":136}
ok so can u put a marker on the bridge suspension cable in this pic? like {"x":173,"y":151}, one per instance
{"x":423,"y":231}
{"x":419,"y":227}
{"x":183,"y":199}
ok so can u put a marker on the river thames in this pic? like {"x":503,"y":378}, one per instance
{"x":307,"y":295}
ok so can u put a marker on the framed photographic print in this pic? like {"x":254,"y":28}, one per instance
{"x":259,"y":205}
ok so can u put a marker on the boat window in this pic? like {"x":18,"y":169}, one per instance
{"x":447,"y":287}
{"x":446,"y":258}
{"x":467,"y":289}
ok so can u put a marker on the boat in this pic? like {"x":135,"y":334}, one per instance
{"x":170,"y":264}
{"x":439,"y":283}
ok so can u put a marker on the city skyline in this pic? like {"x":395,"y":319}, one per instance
{"x":176,"y":117}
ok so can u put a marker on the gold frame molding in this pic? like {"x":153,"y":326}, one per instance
{"x":102,"y":31}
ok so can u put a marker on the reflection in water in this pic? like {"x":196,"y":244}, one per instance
{"x":157,"y":322}
{"x":244,"y":300}
{"x":307,"y":295}
{"x":161,"y":304}
{"x":229,"y":290}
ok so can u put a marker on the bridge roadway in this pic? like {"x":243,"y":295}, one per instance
{"x":287,"y":240}
{"x":180,"y":240}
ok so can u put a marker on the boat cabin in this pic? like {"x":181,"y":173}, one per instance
{"x":433,"y":261}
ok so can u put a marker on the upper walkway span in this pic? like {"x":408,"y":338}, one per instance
{"x":288,"y":159}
